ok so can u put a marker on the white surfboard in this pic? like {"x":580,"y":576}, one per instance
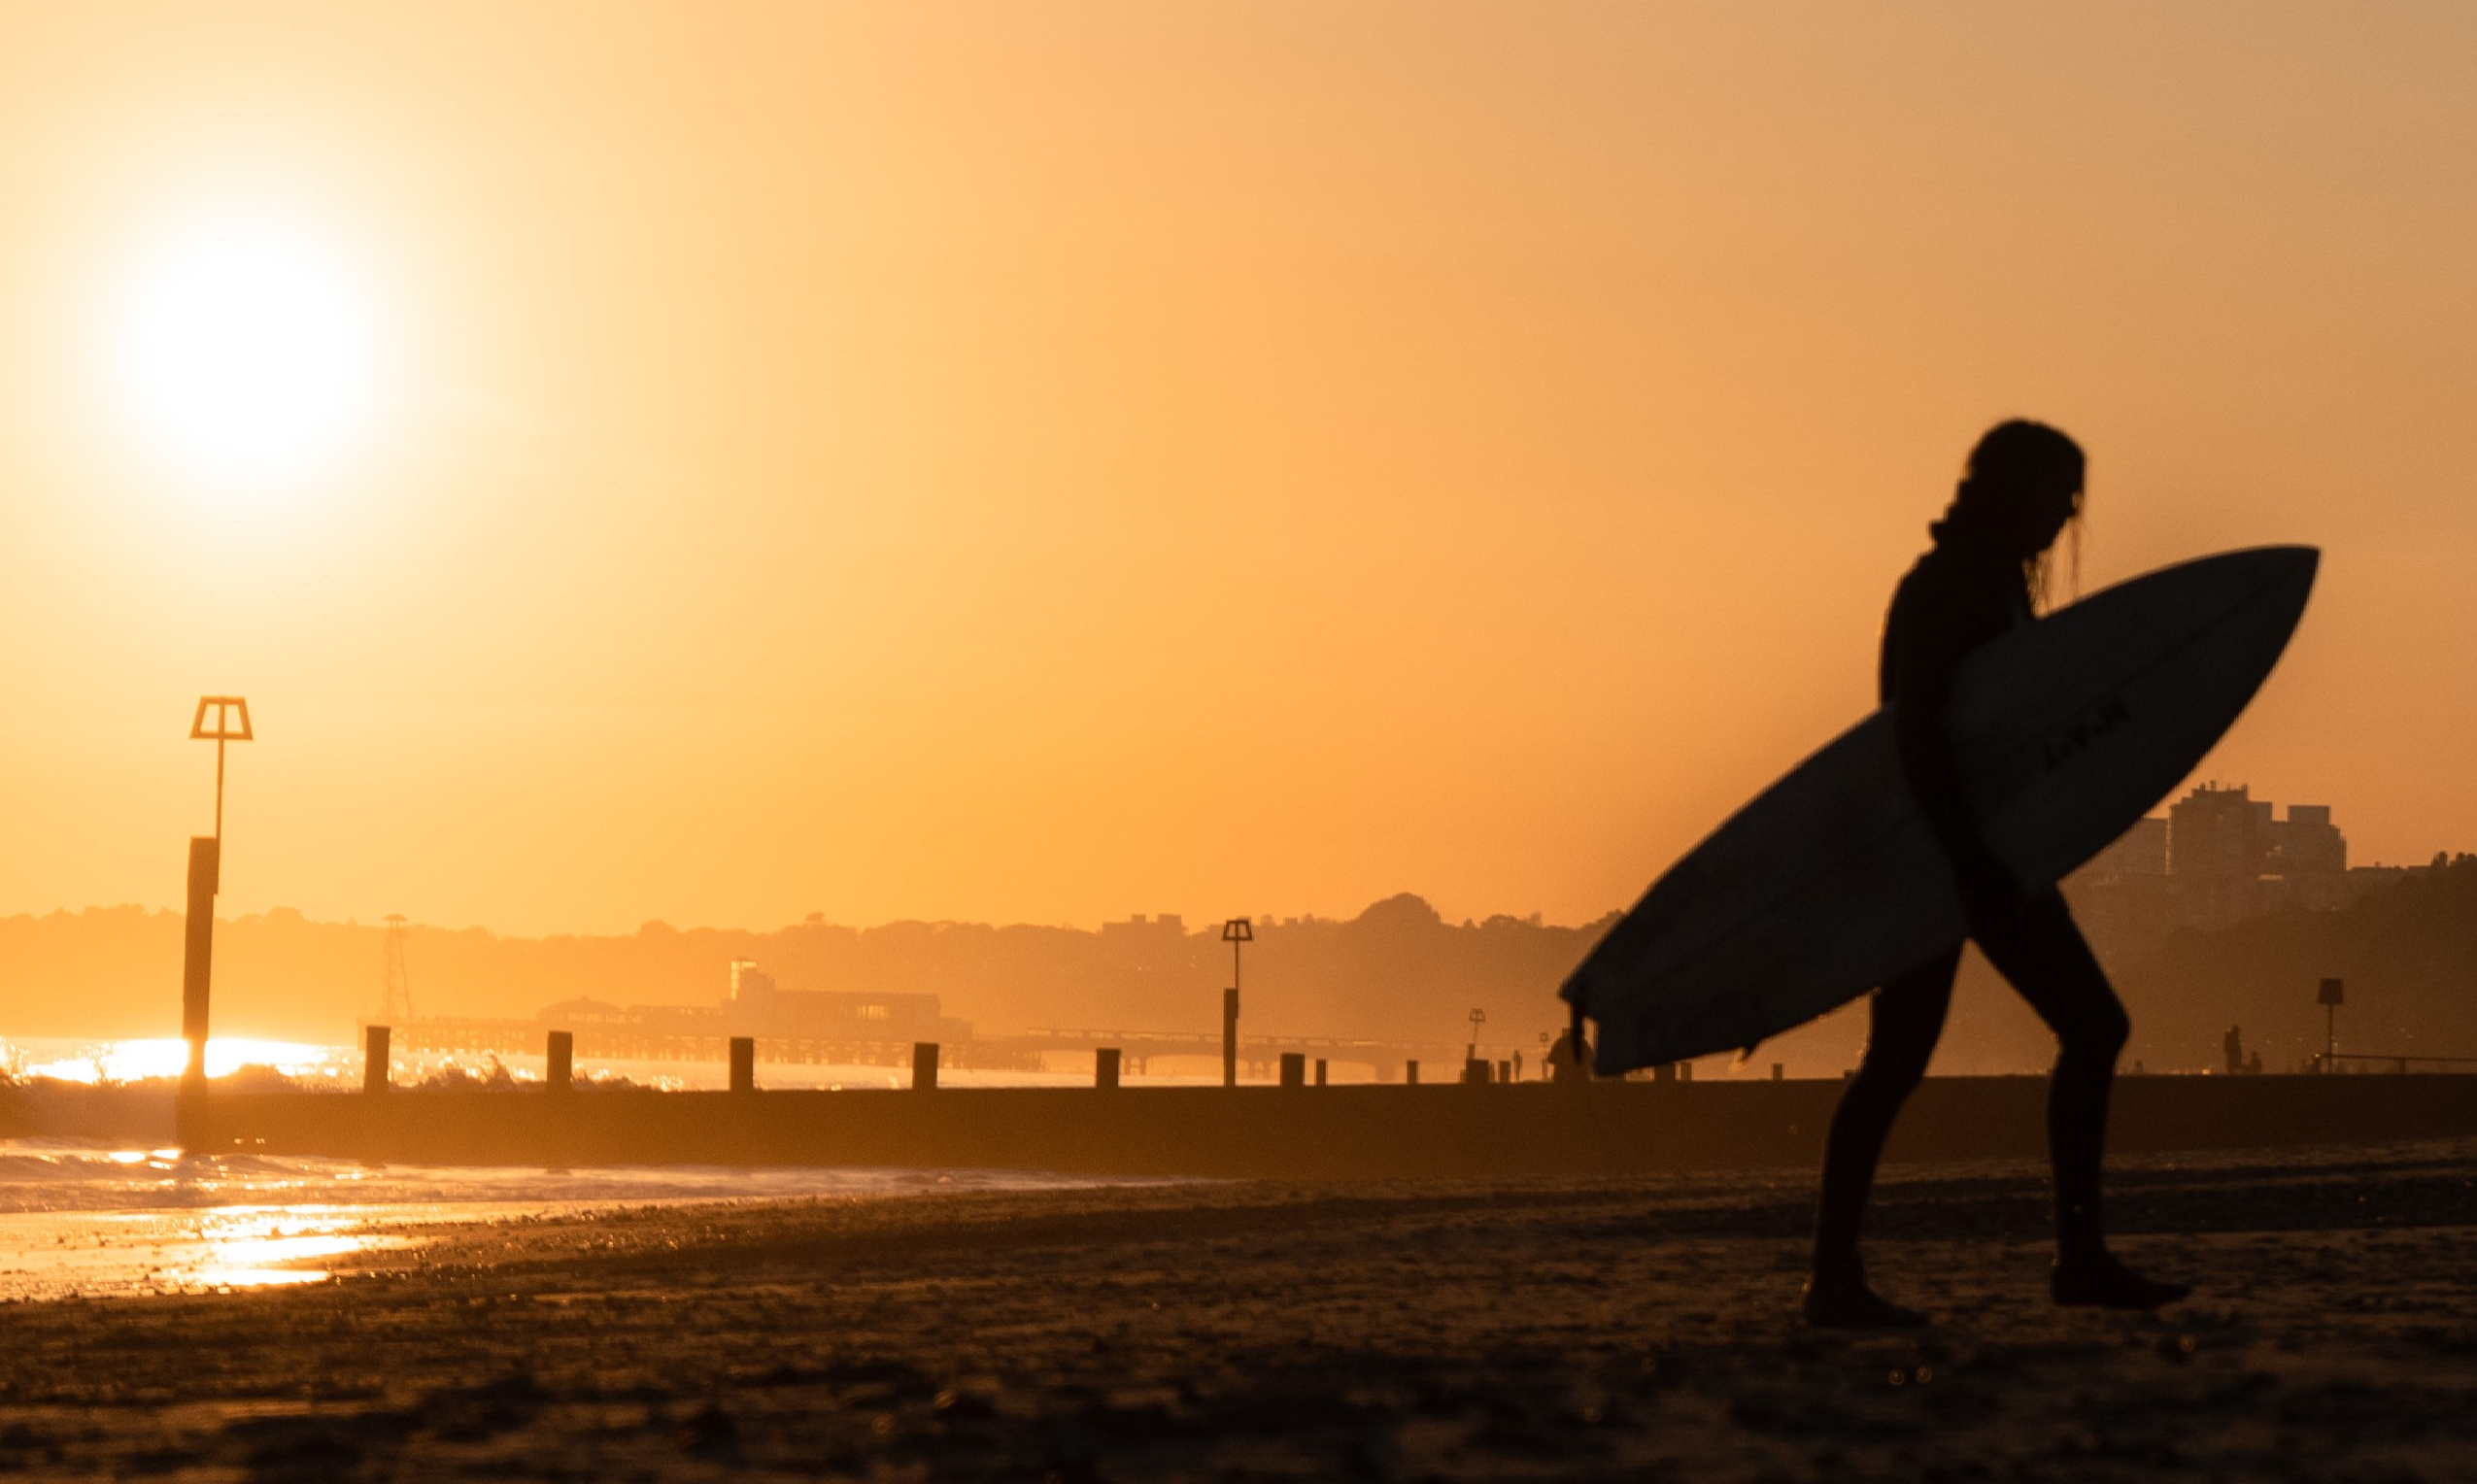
{"x":1831,"y":882}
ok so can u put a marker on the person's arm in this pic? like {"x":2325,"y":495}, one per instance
{"x":1928,"y":646}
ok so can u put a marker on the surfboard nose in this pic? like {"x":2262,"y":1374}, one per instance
{"x":2283,"y":574}
{"x":2268,"y":563}
{"x":2290,"y":562}
{"x":2260,"y":580}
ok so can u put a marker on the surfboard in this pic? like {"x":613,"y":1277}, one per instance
{"x":2065,"y":731}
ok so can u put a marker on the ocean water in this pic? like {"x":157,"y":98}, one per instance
{"x":100,"y":1218}
{"x":82,"y":1217}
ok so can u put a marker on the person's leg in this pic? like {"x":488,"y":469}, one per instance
{"x":1905,"y":1018}
{"x":2044,"y":955}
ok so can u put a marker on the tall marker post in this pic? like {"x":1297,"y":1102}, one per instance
{"x":220,"y":719}
{"x":1235,"y":933}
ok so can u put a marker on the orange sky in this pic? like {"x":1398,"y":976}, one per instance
{"x":1043,"y":463}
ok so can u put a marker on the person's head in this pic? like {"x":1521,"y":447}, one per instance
{"x":2022,"y":490}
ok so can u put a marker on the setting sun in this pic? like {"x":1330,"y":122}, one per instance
{"x":248,"y":354}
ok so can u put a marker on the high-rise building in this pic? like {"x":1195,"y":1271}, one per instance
{"x":2308,"y":843}
{"x":2220,"y":856}
{"x":2218,"y":847}
{"x":2218,"y":833}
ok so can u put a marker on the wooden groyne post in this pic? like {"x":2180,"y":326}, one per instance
{"x":374,"y":1056}
{"x":197,"y":951}
{"x":561,"y":1053}
{"x":743,"y":1064}
{"x":924,"y":1067}
{"x":197,"y":976}
{"x":1104,"y":1067}
{"x":1294,"y":1068}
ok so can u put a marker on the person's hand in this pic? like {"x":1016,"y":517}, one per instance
{"x":1991,"y":895}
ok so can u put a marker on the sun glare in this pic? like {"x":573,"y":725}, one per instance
{"x":248,"y":354}
{"x":132,"y":1060}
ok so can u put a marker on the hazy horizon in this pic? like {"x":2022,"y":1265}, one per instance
{"x":1190,"y":922}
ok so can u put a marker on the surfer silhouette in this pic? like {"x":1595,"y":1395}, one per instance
{"x":2022,"y":490}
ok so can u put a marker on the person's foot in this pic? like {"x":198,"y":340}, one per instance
{"x":2100,"y":1281}
{"x":1853,"y":1305}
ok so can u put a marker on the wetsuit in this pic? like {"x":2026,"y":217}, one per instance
{"x":1961,"y":594}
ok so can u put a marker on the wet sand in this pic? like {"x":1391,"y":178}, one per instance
{"x":1569,"y":1328}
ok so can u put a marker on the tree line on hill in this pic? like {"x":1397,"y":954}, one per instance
{"x":1397,"y":970}
{"x":2407,"y":954}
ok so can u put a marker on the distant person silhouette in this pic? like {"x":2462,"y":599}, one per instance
{"x":2022,"y":490}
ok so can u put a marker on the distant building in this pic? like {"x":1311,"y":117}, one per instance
{"x":2308,"y":843}
{"x":2233,"y":857}
{"x":1166,"y":922}
{"x":2218,"y":857}
{"x":2217,"y":834}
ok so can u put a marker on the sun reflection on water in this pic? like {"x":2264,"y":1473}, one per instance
{"x":267,"y":1247}
{"x":82,"y":1217}
{"x":56,"y":1253}
{"x":136,"y":1059}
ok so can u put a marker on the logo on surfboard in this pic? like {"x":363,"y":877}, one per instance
{"x":2083,"y":730}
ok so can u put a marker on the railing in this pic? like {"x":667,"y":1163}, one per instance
{"x":2399,"y":1063}
{"x":1068,"y":1039}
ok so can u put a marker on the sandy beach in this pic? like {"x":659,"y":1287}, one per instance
{"x":1504,"y":1329}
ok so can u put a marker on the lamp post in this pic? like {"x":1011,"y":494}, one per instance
{"x":1478,"y":1018}
{"x":230,"y":722}
{"x":1237,"y":932}
{"x":2333,"y":995}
